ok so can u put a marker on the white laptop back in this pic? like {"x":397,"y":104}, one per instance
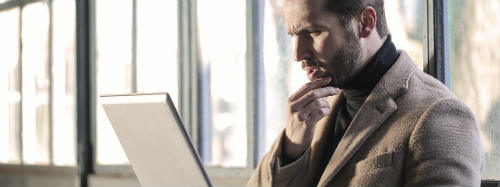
{"x":154,"y":139}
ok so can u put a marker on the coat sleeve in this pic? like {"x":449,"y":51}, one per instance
{"x":445,"y":147}
{"x":269,"y":172}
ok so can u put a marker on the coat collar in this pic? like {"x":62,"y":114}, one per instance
{"x":378,"y":106}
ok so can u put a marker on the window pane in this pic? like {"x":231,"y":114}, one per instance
{"x":36,"y":83}
{"x":114,"y":73}
{"x":284,"y":76}
{"x":475,"y":69}
{"x":157,"y":47}
{"x":223,"y":56}
{"x":10,"y":96}
{"x":406,"y":19}
{"x":63,"y":83}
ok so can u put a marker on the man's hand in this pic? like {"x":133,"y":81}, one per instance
{"x":304,"y":109}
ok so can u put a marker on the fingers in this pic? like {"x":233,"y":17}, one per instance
{"x":318,"y":83}
{"x":318,"y":114}
{"x":305,"y":108}
{"x":312,"y":106}
{"x":311,"y":96}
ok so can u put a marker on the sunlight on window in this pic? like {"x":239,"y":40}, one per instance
{"x":475,"y":69}
{"x":157,"y":43}
{"x":405,"y":19}
{"x":283,"y":75}
{"x":9,"y":87}
{"x":157,"y":69}
{"x":114,"y":73}
{"x":223,"y":49}
{"x":35,"y":84}
{"x":64,"y":83}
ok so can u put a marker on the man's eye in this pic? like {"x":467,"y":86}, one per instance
{"x":315,"y":33}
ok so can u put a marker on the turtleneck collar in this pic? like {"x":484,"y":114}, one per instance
{"x":380,"y":63}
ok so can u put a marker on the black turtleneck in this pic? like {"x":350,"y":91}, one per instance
{"x":356,"y":91}
{"x":376,"y":68}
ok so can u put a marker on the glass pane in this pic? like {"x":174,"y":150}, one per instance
{"x":157,"y":47}
{"x":114,"y":70}
{"x":406,"y":19}
{"x":475,"y":69}
{"x":10,"y":96}
{"x":36,"y":83}
{"x":223,"y":56}
{"x":284,"y":76}
{"x":64,"y":83}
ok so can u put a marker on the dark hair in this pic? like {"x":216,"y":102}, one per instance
{"x":347,"y":9}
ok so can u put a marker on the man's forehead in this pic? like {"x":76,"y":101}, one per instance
{"x":303,"y":14}
{"x":301,"y":9}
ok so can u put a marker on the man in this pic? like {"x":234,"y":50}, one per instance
{"x":391,"y":125}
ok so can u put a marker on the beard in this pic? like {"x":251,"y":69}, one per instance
{"x":344,"y":64}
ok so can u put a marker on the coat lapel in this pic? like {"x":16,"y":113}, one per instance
{"x":378,"y":106}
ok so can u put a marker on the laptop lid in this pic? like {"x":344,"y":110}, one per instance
{"x":155,"y":140}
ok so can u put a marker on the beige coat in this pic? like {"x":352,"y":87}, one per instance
{"x":411,"y":131}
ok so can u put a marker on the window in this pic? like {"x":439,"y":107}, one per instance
{"x":10,"y":88}
{"x":114,"y":70}
{"x":37,"y":84}
{"x":136,"y":44}
{"x":475,"y":69}
{"x":223,"y":63}
{"x":406,"y":21}
{"x":205,"y":58}
{"x":63,"y":83}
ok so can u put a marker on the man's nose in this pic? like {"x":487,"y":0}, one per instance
{"x":302,"y":49}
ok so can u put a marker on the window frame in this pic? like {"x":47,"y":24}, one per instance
{"x":66,"y":175}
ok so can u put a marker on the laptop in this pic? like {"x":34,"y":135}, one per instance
{"x":155,"y":140}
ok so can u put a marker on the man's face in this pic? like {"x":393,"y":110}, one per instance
{"x":322,"y":44}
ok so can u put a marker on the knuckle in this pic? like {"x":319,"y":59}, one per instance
{"x":324,"y":111}
{"x":293,"y":107}
{"x":313,"y":94}
{"x":301,"y":117}
{"x":318,"y":102}
{"x":324,"y":103}
{"x":331,"y":90}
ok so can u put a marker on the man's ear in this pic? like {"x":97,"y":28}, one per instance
{"x":368,"y":21}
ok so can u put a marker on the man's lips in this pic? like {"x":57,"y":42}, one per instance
{"x":314,"y":73}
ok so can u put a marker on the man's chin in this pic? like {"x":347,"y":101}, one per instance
{"x":336,"y":83}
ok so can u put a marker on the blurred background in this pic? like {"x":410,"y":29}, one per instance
{"x":228,"y":65}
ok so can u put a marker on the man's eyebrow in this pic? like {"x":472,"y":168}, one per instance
{"x":304,"y":29}
{"x":291,"y":30}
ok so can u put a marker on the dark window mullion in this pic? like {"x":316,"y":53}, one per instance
{"x":438,"y":65}
{"x":190,"y":89}
{"x":84,"y":91}
{"x":134,"y":46}
{"x":51,"y":84}
{"x":255,"y":82}
{"x":20,"y":135}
